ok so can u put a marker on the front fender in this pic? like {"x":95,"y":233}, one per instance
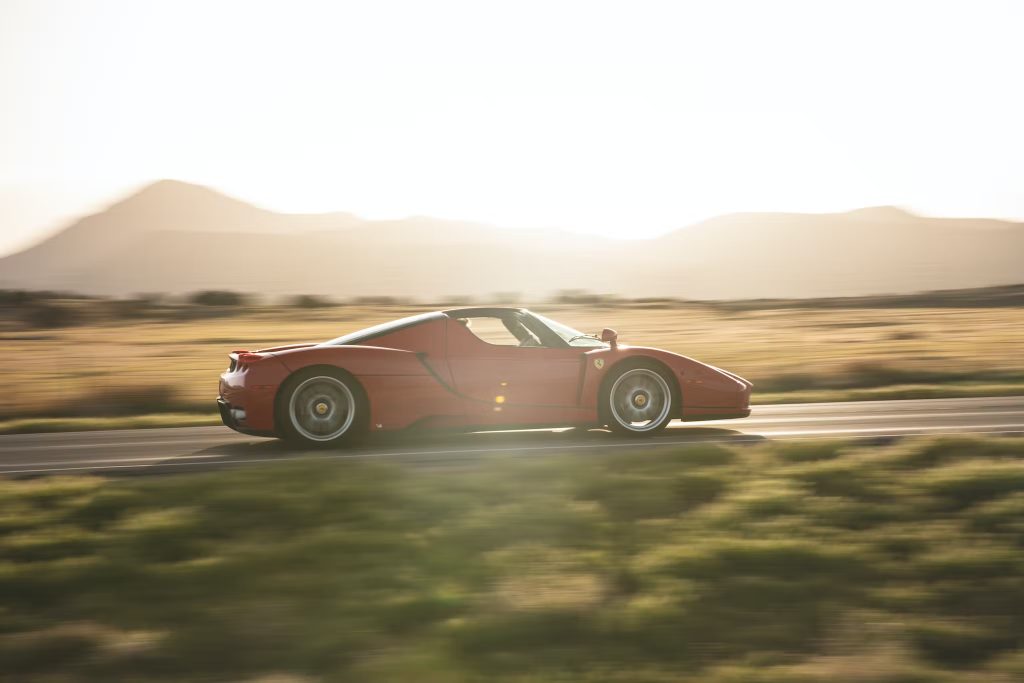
{"x":700,"y":385}
{"x":601,"y":363}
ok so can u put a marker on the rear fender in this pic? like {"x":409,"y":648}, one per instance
{"x":399,"y":387}
{"x":359,"y":361}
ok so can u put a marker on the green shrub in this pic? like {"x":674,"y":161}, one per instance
{"x":1001,"y":515}
{"x":840,"y":478}
{"x":807,"y":451}
{"x":694,"y":563}
{"x":963,"y":484}
{"x":959,"y":644}
{"x":951,"y":449}
{"x":639,"y":497}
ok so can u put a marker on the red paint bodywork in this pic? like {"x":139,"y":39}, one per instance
{"x":437,"y":373}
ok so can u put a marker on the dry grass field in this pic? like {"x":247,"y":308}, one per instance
{"x":148,"y":365}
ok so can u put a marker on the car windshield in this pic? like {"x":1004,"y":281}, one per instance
{"x":569,"y":335}
{"x":377,"y":330}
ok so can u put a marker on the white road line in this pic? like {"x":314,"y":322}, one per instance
{"x":909,"y":403}
{"x":865,"y":418}
{"x":177,"y":462}
{"x":185,"y":461}
{"x":932,"y":428}
{"x":752,"y":421}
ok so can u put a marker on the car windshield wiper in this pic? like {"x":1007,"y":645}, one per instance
{"x":583,"y":336}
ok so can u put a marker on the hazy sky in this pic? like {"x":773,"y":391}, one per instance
{"x":626,"y":118}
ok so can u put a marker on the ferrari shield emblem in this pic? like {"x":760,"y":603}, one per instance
{"x":599,"y":363}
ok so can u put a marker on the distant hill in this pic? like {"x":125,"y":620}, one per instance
{"x":176,"y":237}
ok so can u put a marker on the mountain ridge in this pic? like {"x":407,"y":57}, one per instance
{"x":174,"y":236}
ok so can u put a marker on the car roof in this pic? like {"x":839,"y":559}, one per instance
{"x":364,"y":335}
{"x":370,"y":333}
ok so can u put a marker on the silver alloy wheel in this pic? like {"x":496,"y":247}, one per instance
{"x":640,"y":400}
{"x":322,"y":408}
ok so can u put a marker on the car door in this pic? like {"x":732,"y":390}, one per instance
{"x":502,"y":372}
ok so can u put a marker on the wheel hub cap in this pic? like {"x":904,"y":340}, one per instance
{"x":640,"y":400}
{"x":321,"y":408}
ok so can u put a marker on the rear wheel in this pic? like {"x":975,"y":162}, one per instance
{"x":321,"y":407}
{"x":640,"y":399}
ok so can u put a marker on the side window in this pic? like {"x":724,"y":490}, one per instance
{"x":490,"y":330}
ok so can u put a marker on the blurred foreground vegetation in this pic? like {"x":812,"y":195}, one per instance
{"x":82,"y":362}
{"x":786,"y":562}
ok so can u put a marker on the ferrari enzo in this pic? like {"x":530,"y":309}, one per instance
{"x":470,"y":368}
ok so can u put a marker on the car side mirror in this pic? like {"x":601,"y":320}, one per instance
{"x":610,"y":336}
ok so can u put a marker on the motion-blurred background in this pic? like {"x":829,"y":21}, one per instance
{"x":825,"y":198}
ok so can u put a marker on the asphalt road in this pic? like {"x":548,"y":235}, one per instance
{"x":157,"y":451}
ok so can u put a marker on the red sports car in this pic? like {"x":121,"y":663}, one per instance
{"x":469,"y":368}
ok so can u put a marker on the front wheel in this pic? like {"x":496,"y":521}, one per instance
{"x":321,"y":408}
{"x":639,"y":400}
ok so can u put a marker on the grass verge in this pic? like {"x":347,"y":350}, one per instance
{"x":32,"y":425}
{"x":897,"y":392}
{"x":793,"y":562}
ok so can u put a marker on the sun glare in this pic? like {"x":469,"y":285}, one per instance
{"x":574,"y":114}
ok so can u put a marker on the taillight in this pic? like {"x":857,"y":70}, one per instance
{"x":249,"y":358}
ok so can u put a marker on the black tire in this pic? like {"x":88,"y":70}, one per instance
{"x":322,"y":407}
{"x":644,"y":390}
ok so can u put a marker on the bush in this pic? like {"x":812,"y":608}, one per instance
{"x":139,"y":306}
{"x":581,"y":296}
{"x":959,"y":644}
{"x":796,"y":451}
{"x":381,"y":301}
{"x":963,"y":484}
{"x":953,"y":449}
{"x":48,"y":315}
{"x":216,"y":297}
{"x":655,"y":303}
{"x":16,"y":297}
{"x":309,"y":301}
